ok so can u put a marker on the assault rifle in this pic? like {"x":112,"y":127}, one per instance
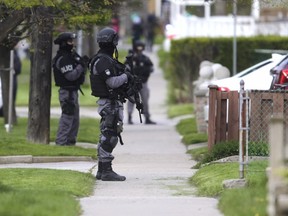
{"x":137,"y":85}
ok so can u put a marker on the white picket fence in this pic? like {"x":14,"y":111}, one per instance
{"x":182,"y":25}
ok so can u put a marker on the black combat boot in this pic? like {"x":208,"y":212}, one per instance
{"x":130,"y":119}
{"x":100,"y":170}
{"x":149,"y":121}
{"x":109,"y":175}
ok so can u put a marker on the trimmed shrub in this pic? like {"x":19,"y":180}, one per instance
{"x":187,"y":54}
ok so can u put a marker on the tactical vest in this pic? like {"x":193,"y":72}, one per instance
{"x":141,"y":68}
{"x":59,"y":77}
{"x":98,"y":83}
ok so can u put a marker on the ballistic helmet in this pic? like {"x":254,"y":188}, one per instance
{"x":63,"y":37}
{"x":139,"y":45}
{"x":108,"y":35}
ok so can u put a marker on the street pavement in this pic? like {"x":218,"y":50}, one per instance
{"x":154,"y":161}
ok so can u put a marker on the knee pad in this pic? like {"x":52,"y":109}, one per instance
{"x":109,"y":143}
{"x":110,"y":121}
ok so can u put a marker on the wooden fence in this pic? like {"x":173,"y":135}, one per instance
{"x":223,"y":117}
{"x":268,"y":123}
{"x":224,"y":112}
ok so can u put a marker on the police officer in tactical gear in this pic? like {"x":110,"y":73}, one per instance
{"x":69,"y":73}
{"x":142,"y":67}
{"x":108,"y":82}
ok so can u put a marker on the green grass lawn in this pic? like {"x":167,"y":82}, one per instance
{"x":250,"y":200}
{"x":180,"y":109}
{"x":15,"y":143}
{"x":208,"y":181}
{"x":188,"y":129}
{"x":44,"y":192}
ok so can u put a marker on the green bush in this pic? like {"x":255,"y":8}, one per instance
{"x":221,"y":150}
{"x":258,"y":149}
{"x":230,"y":148}
{"x":164,"y":63}
{"x":187,"y":54}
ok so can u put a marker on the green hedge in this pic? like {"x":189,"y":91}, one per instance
{"x":187,"y":54}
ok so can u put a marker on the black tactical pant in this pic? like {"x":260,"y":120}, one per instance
{"x":111,"y":113}
{"x":69,"y":120}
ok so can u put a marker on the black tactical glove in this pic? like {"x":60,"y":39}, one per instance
{"x":85,"y":60}
{"x":129,"y":76}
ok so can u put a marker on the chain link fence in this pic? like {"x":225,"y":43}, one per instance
{"x":262,"y":106}
{"x":246,"y":115}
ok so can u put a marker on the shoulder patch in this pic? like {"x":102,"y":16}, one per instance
{"x":107,"y":72}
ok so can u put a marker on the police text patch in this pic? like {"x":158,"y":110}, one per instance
{"x":67,"y":68}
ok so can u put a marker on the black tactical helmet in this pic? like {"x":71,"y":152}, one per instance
{"x":65,"y":36}
{"x":108,"y":35}
{"x":139,"y":45}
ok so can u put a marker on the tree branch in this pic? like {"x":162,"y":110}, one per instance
{"x":11,"y":22}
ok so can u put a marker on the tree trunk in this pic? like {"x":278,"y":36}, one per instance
{"x":40,"y":79}
{"x":5,"y":77}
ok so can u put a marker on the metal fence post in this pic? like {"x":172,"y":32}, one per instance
{"x":242,"y":128}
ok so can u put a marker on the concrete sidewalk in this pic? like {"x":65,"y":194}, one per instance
{"x":156,"y":166}
{"x":154,"y":161}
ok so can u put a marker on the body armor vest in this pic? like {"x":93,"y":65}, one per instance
{"x":59,"y":77}
{"x":98,"y":82}
{"x":142,"y":67}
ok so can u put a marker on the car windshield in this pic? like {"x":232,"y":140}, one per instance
{"x":282,"y":63}
{"x":250,"y":70}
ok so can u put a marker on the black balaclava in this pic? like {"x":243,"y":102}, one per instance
{"x":109,"y":49}
{"x":65,"y":46}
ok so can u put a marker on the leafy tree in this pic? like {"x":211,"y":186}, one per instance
{"x":36,"y":19}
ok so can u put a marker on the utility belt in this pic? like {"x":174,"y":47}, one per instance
{"x":72,"y":88}
{"x":113,"y":95}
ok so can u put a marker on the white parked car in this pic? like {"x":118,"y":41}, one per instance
{"x":255,"y":77}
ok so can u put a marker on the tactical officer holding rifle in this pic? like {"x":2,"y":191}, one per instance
{"x":69,"y":73}
{"x":135,"y":99}
{"x":142,"y":67}
{"x":112,"y":82}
